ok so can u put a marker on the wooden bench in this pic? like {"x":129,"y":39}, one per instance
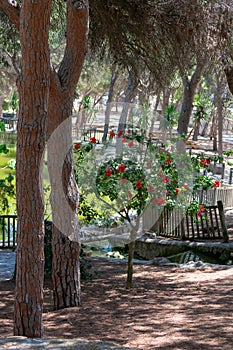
{"x":174,"y":223}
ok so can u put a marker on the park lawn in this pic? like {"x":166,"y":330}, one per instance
{"x":4,"y":159}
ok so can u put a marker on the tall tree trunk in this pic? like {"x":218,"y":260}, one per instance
{"x":64,"y":204}
{"x":33,"y":87}
{"x":64,"y":191}
{"x":190,"y":86}
{"x":108,"y":107}
{"x":219,"y":105}
{"x":132,"y":84}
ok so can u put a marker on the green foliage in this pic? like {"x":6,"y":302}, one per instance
{"x":4,"y":149}
{"x":14,"y":102}
{"x":171,"y":117}
{"x":87,"y":213}
{"x":202,"y":106}
{"x":7,"y":189}
{"x":2,"y":128}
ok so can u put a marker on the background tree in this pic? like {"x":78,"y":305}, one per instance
{"x":158,"y":34}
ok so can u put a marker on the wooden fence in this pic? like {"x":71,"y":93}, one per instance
{"x":212,"y":196}
{"x":176,"y":224}
{"x":165,"y":222}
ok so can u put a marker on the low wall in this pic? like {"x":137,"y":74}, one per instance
{"x":149,"y":249}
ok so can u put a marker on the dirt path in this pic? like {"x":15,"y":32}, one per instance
{"x":168,"y":308}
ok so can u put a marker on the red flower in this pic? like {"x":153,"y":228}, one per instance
{"x":199,"y":213}
{"x":123,"y":180}
{"x":124,"y":139}
{"x":177,"y":190}
{"x":77,"y":146}
{"x":166,"y":179}
{"x":121,"y":168}
{"x":167,"y":160}
{"x":162,"y":200}
{"x":151,"y":188}
{"x":108,"y":172}
{"x":130,"y":144}
{"x":204,"y":162}
{"x":112,"y":134}
{"x":156,"y":201}
{"x":93,"y":140}
{"x":138,"y":184}
{"x":149,"y":163}
{"x":201,"y":208}
{"x":217,"y":183}
{"x":120,"y":133}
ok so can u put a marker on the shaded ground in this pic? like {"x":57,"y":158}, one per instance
{"x":169,"y":308}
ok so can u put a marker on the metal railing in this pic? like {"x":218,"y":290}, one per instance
{"x":8,"y":231}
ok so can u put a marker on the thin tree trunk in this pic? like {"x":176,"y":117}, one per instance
{"x":155,"y":113}
{"x":108,"y":107}
{"x":129,"y":281}
{"x":33,"y":87}
{"x":133,"y":236}
{"x":219,"y":103}
{"x":132,"y":83}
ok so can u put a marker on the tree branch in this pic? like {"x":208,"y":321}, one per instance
{"x":229,"y":75}
{"x":77,"y":21}
{"x":12,"y":10}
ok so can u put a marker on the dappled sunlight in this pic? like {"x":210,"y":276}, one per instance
{"x":168,"y":308}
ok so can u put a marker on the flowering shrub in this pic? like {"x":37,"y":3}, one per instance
{"x":124,"y":182}
{"x":144,"y":174}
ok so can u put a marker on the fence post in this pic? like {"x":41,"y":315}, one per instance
{"x":223,"y":222}
{"x":230,"y":177}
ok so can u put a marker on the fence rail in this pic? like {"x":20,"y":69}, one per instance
{"x":167,"y":223}
{"x":174,"y":223}
{"x":8,"y":231}
{"x":212,"y":196}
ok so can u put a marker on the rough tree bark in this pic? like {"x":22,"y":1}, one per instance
{"x":65,"y":248}
{"x":33,"y":87}
{"x":190,"y":86}
{"x":61,"y":95}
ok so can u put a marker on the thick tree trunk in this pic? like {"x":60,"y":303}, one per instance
{"x":188,"y":96}
{"x":64,"y":204}
{"x":33,"y":88}
{"x":64,"y":191}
